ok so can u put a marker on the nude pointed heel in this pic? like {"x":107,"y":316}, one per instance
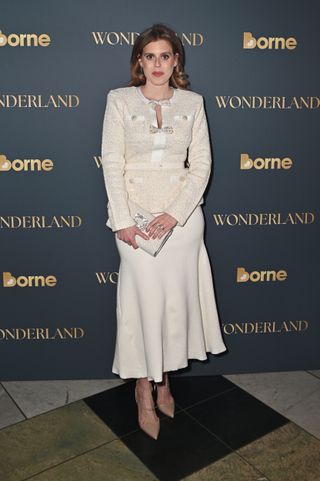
{"x":167,"y":408}
{"x":151,"y":428}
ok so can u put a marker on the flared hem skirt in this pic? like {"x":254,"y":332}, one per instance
{"x":166,"y":307}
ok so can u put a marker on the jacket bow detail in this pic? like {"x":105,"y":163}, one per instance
{"x":154,"y":103}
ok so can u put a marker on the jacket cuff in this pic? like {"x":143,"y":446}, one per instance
{"x":120,"y":225}
{"x":177,"y":215}
{"x":122,"y":222}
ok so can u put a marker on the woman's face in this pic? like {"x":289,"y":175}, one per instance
{"x":158,"y":57}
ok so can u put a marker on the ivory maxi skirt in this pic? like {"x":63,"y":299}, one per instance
{"x":166,"y":308}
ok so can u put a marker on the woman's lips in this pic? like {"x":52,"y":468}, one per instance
{"x":157,"y":74}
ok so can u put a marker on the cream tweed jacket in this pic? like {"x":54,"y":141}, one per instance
{"x":162,"y":169}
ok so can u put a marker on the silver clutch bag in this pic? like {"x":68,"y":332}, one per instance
{"x":142,"y":218}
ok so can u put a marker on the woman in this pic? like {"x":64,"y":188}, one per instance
{"x":166,"y":309}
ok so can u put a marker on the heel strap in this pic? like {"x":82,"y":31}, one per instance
{"x":166,"y":404}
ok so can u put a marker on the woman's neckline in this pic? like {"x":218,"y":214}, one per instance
{"x":171,"y":99}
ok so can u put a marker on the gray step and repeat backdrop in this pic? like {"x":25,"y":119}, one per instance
{"x":256,"y":66}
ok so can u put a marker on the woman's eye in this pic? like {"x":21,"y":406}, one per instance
{"x":165,"y":56}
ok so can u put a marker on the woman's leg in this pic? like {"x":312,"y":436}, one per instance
{"x":144,"y":390}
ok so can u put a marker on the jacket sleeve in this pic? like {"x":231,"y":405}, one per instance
{"x":197,"y":177}
{"x":113,"y":160}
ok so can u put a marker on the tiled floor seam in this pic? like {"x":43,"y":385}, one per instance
{"x":70,"y":459}
{"x":210,"y":397}
{"x":312,"y":374}
{"x":15,"y":403}
{"x":47,"y":412}
{"x":304,"y":429}
{"x":227,"y":445}
{"x":290,"y":407}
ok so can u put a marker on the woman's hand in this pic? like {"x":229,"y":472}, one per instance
{"x":166,"y":222}
{"x":128,"y":235}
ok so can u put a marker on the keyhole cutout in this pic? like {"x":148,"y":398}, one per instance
{"x":159,"y":115}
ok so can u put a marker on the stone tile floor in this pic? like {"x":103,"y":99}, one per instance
{"x":239,"y":427}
